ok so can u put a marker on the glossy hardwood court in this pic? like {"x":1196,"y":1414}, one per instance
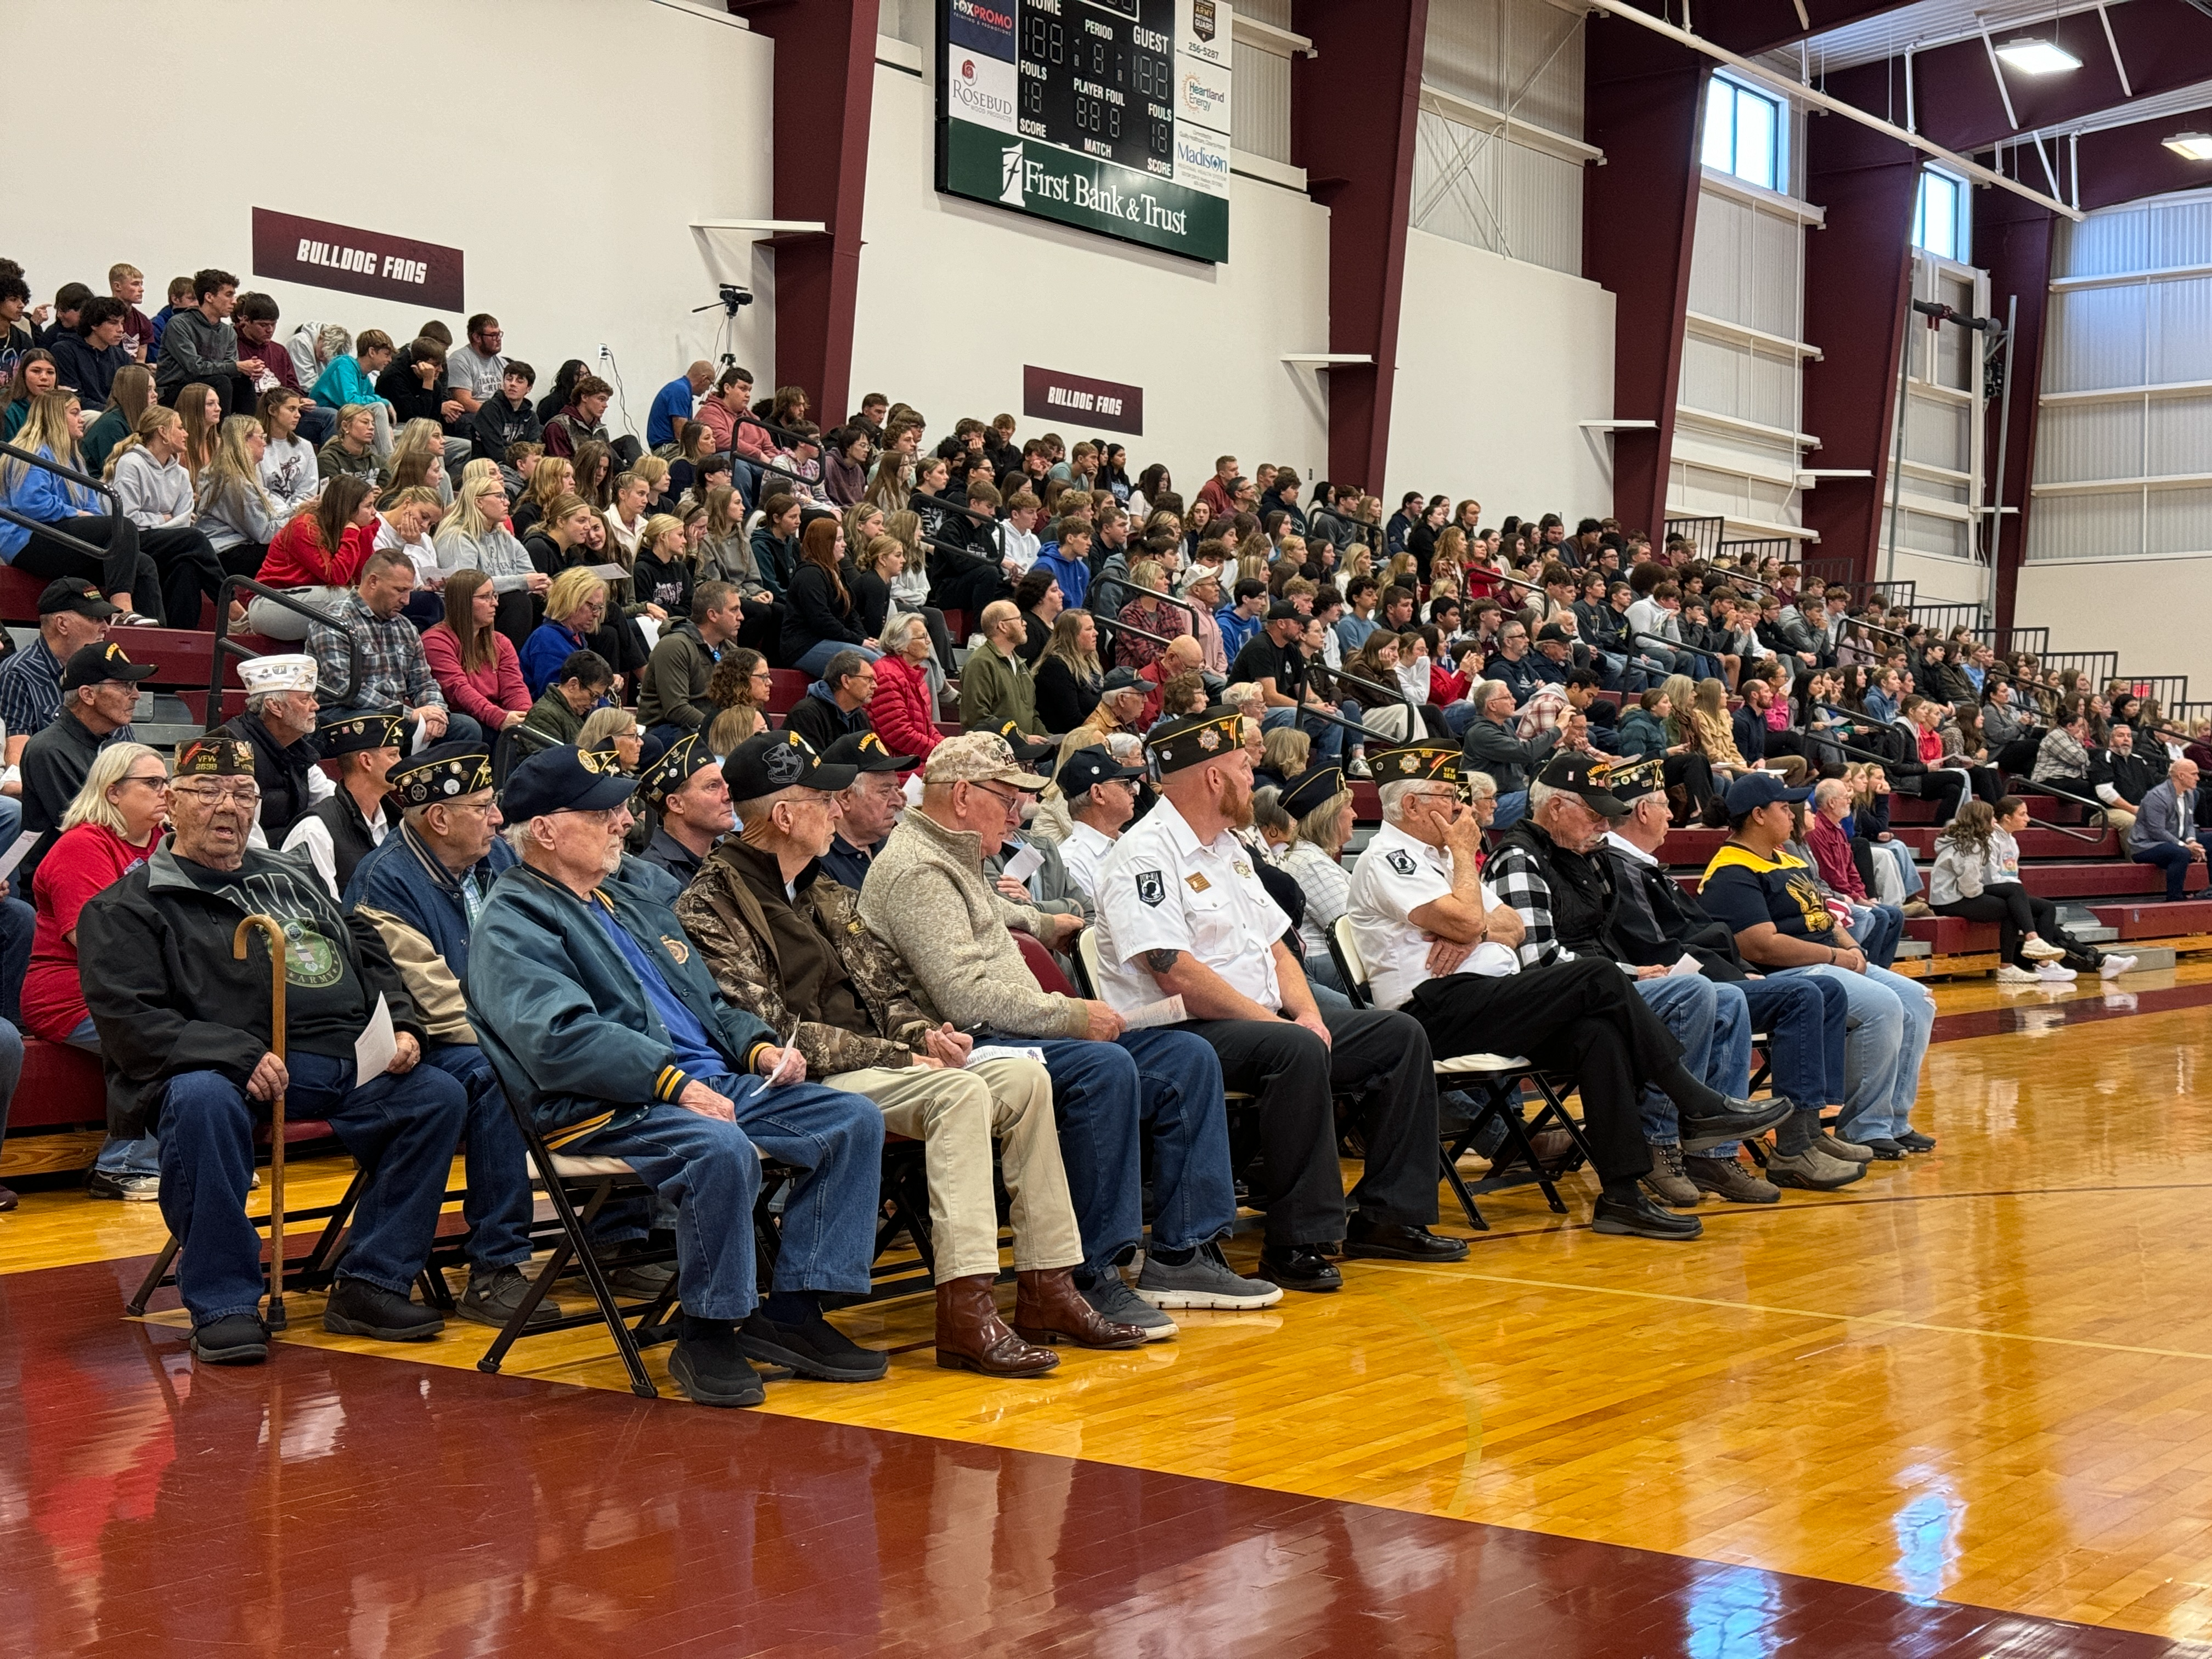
{"x":1982,"y":1377}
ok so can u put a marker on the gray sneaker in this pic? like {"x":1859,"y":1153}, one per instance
{"x":1849,"y":1151}
{"x":1669,"y":1180}
{"x":1813,"y":1170}
{"x":1204,"y":1282}
{"x":1111,"y":1298}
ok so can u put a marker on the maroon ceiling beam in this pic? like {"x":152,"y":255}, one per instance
{"x":1357,"y":152}
{"x":1645,"y":99}
{"x":2122,"y":164}
{"x":2165,"y":44}
{"x":825,"y":83}
{"x":2013,"y":241}
{"x":1855,"y":286}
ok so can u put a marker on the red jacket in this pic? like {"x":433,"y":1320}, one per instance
{"x":900,"y":711}
{"x":297,"y":557}
{"x":487,"y":695}
{"x":1445,"y":686}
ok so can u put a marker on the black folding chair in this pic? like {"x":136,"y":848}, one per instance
{"x":1499,"y":1077}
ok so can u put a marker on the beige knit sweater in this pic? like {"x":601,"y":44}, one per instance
{"x":925,"y":897}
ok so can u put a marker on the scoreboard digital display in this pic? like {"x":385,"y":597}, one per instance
{"x":1112,"y":115}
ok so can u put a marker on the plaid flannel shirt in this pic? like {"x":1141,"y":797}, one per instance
{"x":1514,"y":878}
{"x":393,"y":669}
{"x":1546,"y":708}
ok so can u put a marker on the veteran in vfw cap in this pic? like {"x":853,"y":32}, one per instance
{"x":1182,"y":911}
{"x":359,"y":753}
{"x":279,"y":721}
{"x":690,"y":801}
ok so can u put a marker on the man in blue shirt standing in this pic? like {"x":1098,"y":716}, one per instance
{"x":673,"y":405}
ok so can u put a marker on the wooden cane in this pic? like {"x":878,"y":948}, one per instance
{"x":275,"y":935}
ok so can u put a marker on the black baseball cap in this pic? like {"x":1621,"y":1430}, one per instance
{"x":563,"y":779}
{"x":865,"y":752}
{"x":1632,"y":779}
{"x":91,"y":664}
{"x":1578,"y":774}
{"x":770,"y":761}
{"x":1123,"y":679}
{"x":1030,"y":750}
{"x":1087,"y":767}
{"x":1285,"y":610}
{"x":75,"y":593}
{"x":1554,"y":633}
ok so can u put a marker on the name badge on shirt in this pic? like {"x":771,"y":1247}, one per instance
{"x":1197,"y":883}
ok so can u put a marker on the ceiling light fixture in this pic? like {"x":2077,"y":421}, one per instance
{"x":2192,"y":146}
{"x":2036,"y":56}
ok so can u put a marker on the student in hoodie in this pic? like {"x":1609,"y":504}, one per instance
{"x":673,"y":693}
{"x":509,"y":417}
{"x":1067,"y":557}
{"x":351,"y":379}
{"x":289,"y":469}
{"x":836,"y":705}
{"x":87,"y":356}
{"x":775,"y":543}
{"x":181,"y":298}
{"x":233,"y":510}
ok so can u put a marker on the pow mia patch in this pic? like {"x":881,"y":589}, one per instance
{"x":1401,"y":862}
{"x":1151,"y":888}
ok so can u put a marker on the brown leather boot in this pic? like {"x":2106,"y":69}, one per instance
{"x":971,"y":1336}
{"x":1048,"y":1307}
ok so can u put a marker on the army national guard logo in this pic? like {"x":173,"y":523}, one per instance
{"x":1151,"y":887}
{"x":1401,"y":862}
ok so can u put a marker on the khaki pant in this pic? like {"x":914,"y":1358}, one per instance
{"x":2123,"y":819}
{"x":956,"y":1115}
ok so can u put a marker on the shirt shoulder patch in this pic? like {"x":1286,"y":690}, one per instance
{"x":1402,"y":863}
{"x":1152,"y":887}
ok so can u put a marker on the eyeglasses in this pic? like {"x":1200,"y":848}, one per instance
{"x":157,"y":780}
{"x":245,"y":795}
{"x":1012,"y":801}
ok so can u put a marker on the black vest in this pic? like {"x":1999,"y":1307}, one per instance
{"x":350,"y":838}
{"x":281,"y":773}
{"x":1582,"y":897}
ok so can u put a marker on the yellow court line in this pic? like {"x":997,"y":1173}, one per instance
{"x":1881,"y":1320}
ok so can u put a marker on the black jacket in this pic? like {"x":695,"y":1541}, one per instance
{"x":1654,"y":921}
{"x":1063,"y":702}
{"x":282,"y":771}
{"x":410,"y":400}
{"x":166,"y":995}
{"x":818,"y":719}
{"x":55,"y":762}
{"x":1582,"y":898}
{"x":871,"y":598}
{"x":495,"y":428}
{"x":811,"y":613}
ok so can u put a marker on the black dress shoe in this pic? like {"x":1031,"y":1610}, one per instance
{"x":1639,"y":1217}
{"x":1299,"y":1267}
{"x":234,"y":1340}
{"x":1737,"y":1120}
{"x":1391,"y":1242}
{"x":357,"y":1307}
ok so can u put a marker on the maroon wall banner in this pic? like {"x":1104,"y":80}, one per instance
{"x":1049,"y":395}
{"x":354,"y":261}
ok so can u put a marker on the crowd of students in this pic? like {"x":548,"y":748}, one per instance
{"x":528,"y":723}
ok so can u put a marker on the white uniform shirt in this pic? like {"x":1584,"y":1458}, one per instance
{"x":1161,"y":890}
{"x":1394,"y":877}
{"x":1082,"y":850}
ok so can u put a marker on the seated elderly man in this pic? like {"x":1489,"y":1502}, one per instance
{"x":1102,"y":796}
{"x":868,"y":810}
{"x":786,"y":944}
{"x":279,"y":722}
{"x":1181,"y":913}
{"x":419,"y":889}
{"x":1783,"y":926}
{"x":100,"y":690}
{"x":1807,"y":1018}
{"x":580,"y":973}
{"x":1425,"y":927}
{"x":1545,"y":868}
{"x":2165,"y":832}
{"x":685,"y":788}
{"x":1491,"y":744}
{"x":185,"y":1036}
{"x":928,"y":898}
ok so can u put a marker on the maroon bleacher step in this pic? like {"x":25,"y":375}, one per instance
{"x":2159,"y":921}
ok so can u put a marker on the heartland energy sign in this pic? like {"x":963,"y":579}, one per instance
{"x":1108,"y":115}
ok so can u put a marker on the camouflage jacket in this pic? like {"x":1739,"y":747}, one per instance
{"x":726,"y":924}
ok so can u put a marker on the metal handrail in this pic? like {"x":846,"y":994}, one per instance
{"x":225,"y":646}
{"x":1383,"y":694}
{"x":1152,"y":593}
{"x":1886,"y":761}
{"x":125,"y":537}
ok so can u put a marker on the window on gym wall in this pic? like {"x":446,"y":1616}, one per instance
{"x":1744,"y":134}
{"x":1938,"y":227}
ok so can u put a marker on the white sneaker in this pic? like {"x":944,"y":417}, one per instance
{"x":2013,"y":973}
{"x":2113,"y":967}
{"x":2051,"y":974}
{"x":2042,"y":949}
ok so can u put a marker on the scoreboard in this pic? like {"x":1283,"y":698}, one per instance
{"x":1110,"y":115}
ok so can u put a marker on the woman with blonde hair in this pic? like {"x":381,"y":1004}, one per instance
{"x":233,"y":510}
{"x":130,"y":397}
{"x":626,"y":517}
{"x":575,"y":610}
{"x":665,"y":572}
{"x":615,"y":729}
{"x":1068,"y":673}
{"x":473,"y":535}
{"x":549,"y":480}
{"x":1320,"y":827}
{"x":418,"y":460}
{"x":1154,"y":616}
{"x":1285,"y":753}
{"x":54,"y":428}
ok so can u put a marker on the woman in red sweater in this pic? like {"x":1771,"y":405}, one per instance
{"x":474,"y":664}
{"x":900,"y":710}
{"x":317,"y":556}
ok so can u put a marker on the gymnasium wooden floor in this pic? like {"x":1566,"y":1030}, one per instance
{"x":1963,"y":1407}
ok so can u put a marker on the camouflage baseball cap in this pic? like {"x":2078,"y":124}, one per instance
{"x":977,"y":757}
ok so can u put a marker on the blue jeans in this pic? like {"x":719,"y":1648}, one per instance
{"x":1712,"y":1022}
{"x":1899,"y":854}
{"x":404,"y":1128}
{"x":2171,"y":856}
{"x":11,"y":1068}
{"x":1804,"y":1020}
{"x":1511,"y":809}
{"x":17,"y":922}
{"x":818,"y":659}
{"x":1889,"y":1021}
{"x":1169,"y":1083}
{"x":1458,"y":716}
{"x":1877,"y":927}
{"x":119,"y":1155}
{"x":498,"y":1205}
{"x":709,"y":1170}
{"x":1328,"y":739}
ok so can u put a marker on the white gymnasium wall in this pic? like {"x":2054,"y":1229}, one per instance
{"x":1497,"y":361}
{"x":572,"y":234}
{"x":954,"y":296}
{"x":2152,"y":611}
